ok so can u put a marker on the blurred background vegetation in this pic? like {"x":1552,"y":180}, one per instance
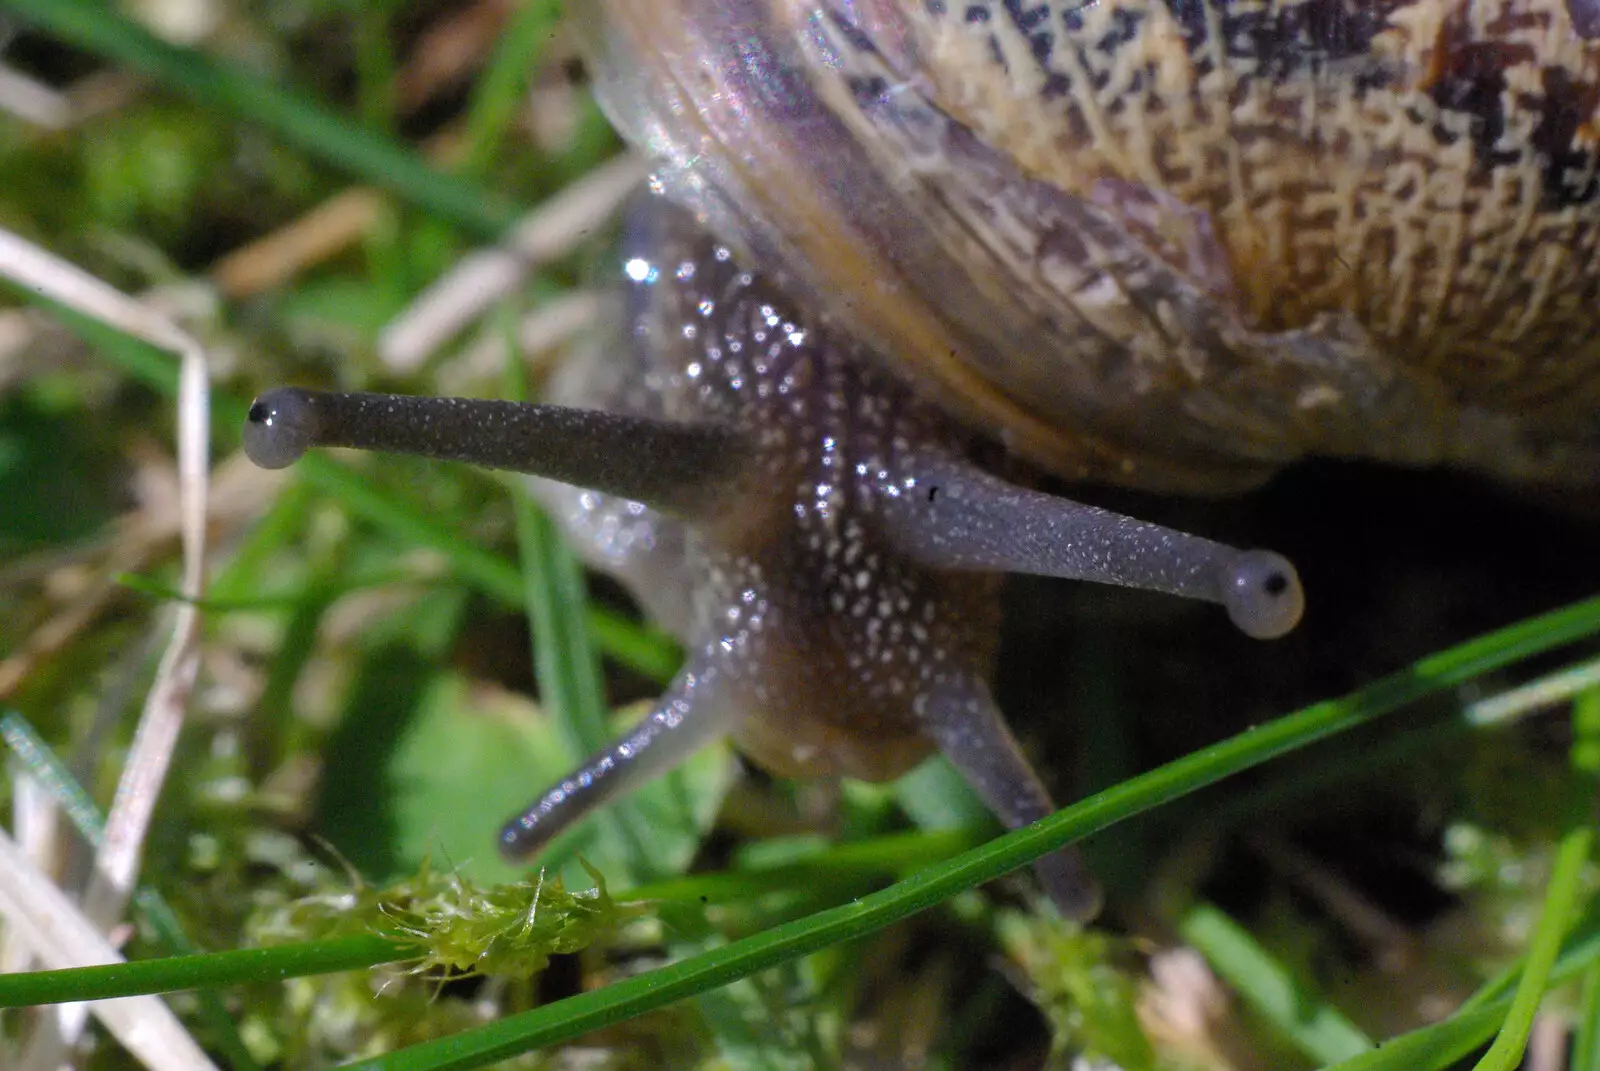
{"x":398,"y":654}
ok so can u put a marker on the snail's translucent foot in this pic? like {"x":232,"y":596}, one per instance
{"x":949,"y":514}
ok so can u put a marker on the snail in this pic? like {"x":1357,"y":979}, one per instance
{"x":1171,"y":244}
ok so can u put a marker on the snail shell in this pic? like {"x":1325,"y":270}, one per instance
{"x":1168,"y":243}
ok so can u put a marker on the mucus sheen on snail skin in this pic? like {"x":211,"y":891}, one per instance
{"x":840,"y":552}
{"x":1172,"y":244}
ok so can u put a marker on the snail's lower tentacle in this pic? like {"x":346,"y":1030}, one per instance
{"x":680,"y":468}
{"x":688,"y":717}
{"x":961,"y":717}
{"x":950,"y":514}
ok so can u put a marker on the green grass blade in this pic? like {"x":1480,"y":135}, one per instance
{"x":563,"y":658}
{"x":376,"y":67}
{"x":211,"y":970}
{"x":1432,"y":1048}
{"x":499,"y":92}
{"x":1561,"y":897}
{"x":1436,"y":1047}
{"x":564,"y":661}
{"x":875,"y":857}
{"x":1565,"y":884}
{"x":95,"y":27}
{"x":46,"y":766}
{"x":1315,"y":1027}
{"x":554,"y":594}
{"x":1585,"y":1054}
{"x":590,"y":1011}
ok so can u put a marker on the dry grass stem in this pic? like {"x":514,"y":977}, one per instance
{"x":1547,"y":1045}
{"x":319,"y":235}
{"x":1389,"y":941}
{"x":543,"y":332}
{"x":484,"y":277}
{"x":32,"y":101}
{"x":60,"y":935}
{"x":35,"y":819}
{"x":117,"y":861}
{"x":1538,"y":695}
{"x":449,"y":51}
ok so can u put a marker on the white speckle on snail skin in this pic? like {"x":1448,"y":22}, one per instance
{"x":833,"y":562}
{"x":824,"y":634}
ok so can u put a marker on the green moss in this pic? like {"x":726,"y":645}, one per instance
{"x":468,"y":929}
{"x":1084,"y":982}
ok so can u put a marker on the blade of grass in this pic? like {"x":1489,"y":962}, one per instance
{"x":373,"y":26}
{"x":1561,"y":897}
{"x":47,"y":768}
{"x":60,"y":934}
{"x":211,"y":970}
{"x":287,"y":598}
{"x":1433,"y":1047}
{"x":563,"y":658}
{"x":553,"y":595}
{"x":97,"y":28}
{"x":590,"y":1011}
{"x":1585,"y":757}
{"x":1436,"y":1047}
{"x":1548,"y":691}
{"x":499,"y":91}
{"x":888,"y":854}
{"x":1565,"y":884}
{"x":1585,"y":1055}
{"x":272,"y":733}
{"x":1290,"y":1007}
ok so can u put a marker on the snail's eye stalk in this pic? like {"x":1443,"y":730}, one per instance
{"x":949,"y":514}
{"x":684,"y":469}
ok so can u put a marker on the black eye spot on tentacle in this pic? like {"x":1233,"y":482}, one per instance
{"x":279,"y":429}
{"x":981,"y":522}
{"x":1262,"y":594}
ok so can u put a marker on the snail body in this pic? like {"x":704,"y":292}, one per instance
{"x":811,"y":527}
{"x":1172,"y":244}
